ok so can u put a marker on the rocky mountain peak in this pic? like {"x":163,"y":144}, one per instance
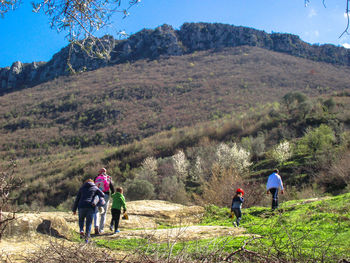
{"x":162,"y":41}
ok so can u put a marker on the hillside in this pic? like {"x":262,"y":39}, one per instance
{"x":63,"y":130}
{"x":118,"y":104}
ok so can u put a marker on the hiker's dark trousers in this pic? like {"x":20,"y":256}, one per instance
{"x":115,"y":218}
{"x":238,"y":214}
{"x":86,"y":214}
{"x":274,"y":192}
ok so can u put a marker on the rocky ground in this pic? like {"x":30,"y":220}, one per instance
{"x":147,"y":219}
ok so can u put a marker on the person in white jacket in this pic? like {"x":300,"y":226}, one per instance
{"x":274,"y":183}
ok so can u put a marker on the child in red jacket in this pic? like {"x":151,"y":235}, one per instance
{"x":236,"y":206}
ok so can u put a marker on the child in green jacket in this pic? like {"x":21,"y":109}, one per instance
{"x":118,"y":202}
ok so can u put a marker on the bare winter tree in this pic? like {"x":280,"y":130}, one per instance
{"x":8,"y":183}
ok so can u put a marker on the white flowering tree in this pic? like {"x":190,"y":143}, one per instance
{"x":148,"y":170}
{"x":150,"y":164}
{"x":282,"y":152}
{"x":196,"y":172}
{"x":180,"y":165}
{"x":235,"y":156}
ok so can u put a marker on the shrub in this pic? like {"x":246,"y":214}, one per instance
{"x":317,"y":140}
{"x":234,"y":156}
{"x":171,"y":189}
{"x":148,"y":170}
{"x":293,"y":98}
{"x":329,"y":104}
{"x":196,"y":173}
{"x":219,"y":189}
{"x":9,"y":182}
{"x":256,"y":145}
{"x":337,"y":178}
{"x":139,"y":190}
{"x":59,"y":251}
{"x":282,"y":152}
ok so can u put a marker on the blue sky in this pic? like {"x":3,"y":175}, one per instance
{"x":27,"y":36}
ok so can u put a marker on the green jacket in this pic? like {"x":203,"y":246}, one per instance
{"x":118,"y":201}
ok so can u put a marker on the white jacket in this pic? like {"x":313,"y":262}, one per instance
{"x":274,"y":181}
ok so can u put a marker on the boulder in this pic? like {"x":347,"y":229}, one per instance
{"x":29,"y":224}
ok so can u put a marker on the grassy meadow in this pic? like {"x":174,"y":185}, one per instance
{"x":300,"y":231}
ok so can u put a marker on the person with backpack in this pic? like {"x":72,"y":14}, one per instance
{"x":85,"y":202}
{"x":236,"y":206}
{"x":118,"y":203}
{"x":274,"y":183}
{"x":104,"y":182}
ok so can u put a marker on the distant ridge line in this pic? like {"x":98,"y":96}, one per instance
{"x":165,"y":41}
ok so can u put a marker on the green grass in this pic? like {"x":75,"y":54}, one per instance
{"x":199,"y":246}
{"x":309,"y":230}
{"x":122,"y":244}
{"x":302,"y":231}
{"x":192,"y":247}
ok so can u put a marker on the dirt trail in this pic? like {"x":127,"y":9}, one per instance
{"x":146,"y":220}
{"x":184,"y":233}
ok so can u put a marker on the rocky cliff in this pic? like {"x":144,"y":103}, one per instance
{"x":163,"y":41}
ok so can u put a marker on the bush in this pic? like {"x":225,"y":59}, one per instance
{"x":337,"y":178}
{"x":172,"y":189}
{"x":317,"y":140}
{"x":256,"y":145}
{"x":59,"y":251}
{"x":235,"y":157}
{"x":139,"y":190}
{"x":282,"y":152}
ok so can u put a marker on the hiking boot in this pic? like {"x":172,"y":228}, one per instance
{"x":97,"y":230}
{"x":117,"y":231}
{"x":111,"y":228}
{"x":82,"y":235}
{"x":234,"y":224}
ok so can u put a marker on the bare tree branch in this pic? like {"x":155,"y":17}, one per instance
{"x":242,"y":248}
{"x":346,"y":31}
{"x":81,"y":18}
{"x":347,"y":12}
{"x":7,"y":5}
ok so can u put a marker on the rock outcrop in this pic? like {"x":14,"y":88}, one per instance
{"x":142,"y":214}
{"x":162,"y":41}
{"x":28,"y":224}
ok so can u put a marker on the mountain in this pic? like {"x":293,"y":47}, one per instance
{"x":61,"y":130}
{"x":120,"y":103}
{"x":162,"y":41}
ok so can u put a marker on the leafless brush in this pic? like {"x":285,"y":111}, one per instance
{"x":58,"y":251}
{"x":8,"y":183}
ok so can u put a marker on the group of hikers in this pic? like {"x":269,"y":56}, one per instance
{"x":92,"y":203}
{"x":93,"y":198}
